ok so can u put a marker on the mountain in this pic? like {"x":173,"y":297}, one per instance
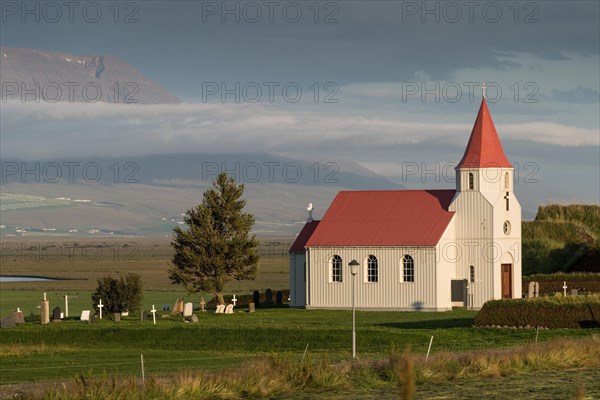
{"x":73,"y":78}
{"x":146,"y":195}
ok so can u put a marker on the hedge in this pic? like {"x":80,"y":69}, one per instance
{"x":553,"y":283}
{"x":548,"y":312}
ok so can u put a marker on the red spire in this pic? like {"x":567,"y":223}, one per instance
{"x":484,"y":149}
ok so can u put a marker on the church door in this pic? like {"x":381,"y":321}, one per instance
{"x":506,"y":281}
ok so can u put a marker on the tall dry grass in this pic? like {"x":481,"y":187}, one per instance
{"x":280,"y":376}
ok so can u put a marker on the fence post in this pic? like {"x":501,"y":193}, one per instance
{"x":143,"y":374}
{"x":429,"y":349}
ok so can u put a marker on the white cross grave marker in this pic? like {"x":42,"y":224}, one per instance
{"x":234,"y":300}
{"x":100,"y":306}
{"x":153,"y":311}
{"x":565,"y":288}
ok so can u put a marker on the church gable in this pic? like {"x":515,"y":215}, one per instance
{"x":385,"y":218}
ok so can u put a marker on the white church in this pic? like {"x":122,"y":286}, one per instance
{"x":427,"y":250}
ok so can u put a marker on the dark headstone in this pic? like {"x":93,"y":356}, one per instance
{"x":279,"y":297}
{"x":8,"y":322}
{"x":256,"y":298}
{"x":92,"y":319}
{"x":19,"y":317}
{"x":251,"y":307}
{"x":166,"y":307}
{"x":116,"y":317}
{"x":194,"y":318}
{"x":56,"y":314}
{"x":269,"y":296}
{"x":144,"y":315}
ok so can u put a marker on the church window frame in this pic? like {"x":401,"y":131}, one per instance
{"x":471,"y":181}
{"x":372,"y":269}
{"x":336,"y":269}
{"x":472,"y":274}
{"x":408,"y":268}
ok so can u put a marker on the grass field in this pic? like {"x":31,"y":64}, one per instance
{"x":225,"y":343}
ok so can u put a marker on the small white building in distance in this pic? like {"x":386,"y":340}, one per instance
{"x":418,"y":249}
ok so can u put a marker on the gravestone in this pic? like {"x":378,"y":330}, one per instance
{"x":178,"y":307}
{"x":256,"y":298}
{"x":194,"y":318}
{"x":251,"y":307}
{"x":56,"y":314}
{"x":574,"y":292}
{"x":220,"y":309}
{"x":188,"y":309}
{"x":85,"y":315}
{"x":92,"y":319}
{"x":45,"y":310}
{"x":279,"y":297}
{"x":269,"y":296}
{"x":19,"y":317}
{"x":202,"y":305}
{"x":533,"y":290}
{"x":166,"y":307}
{"x":8,"y":322}
{"x":116,"y":317}
{"x":229,"y":309}
{"x":144,"y":315}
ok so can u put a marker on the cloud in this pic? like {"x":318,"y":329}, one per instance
{"x":50,"y":130}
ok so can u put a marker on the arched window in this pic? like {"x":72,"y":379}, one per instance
{"x":408,"y":268}
{"x":336,"y":268}
{"x":471,"y":181}
{"x":472,"y":274}
{"x":506,"y":181}
{"x":372,"y":269}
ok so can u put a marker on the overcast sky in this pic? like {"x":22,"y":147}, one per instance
{"x":363,"y":68}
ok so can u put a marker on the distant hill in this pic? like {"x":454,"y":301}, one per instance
{"x":146,"y":195}
{"x":118,"y":81}
{"x":562,"y":239}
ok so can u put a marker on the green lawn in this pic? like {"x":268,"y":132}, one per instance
{"x":34,"y":352}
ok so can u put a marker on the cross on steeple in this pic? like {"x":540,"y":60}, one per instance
{"x":483,"y":89}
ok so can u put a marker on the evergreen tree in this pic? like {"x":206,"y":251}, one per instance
{"x":216,"y":246}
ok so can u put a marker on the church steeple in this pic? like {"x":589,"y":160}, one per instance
{"x":484,"y":149}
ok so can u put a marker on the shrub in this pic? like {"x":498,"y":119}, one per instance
{"x":124,"y":294}
{"x":549,"y":312}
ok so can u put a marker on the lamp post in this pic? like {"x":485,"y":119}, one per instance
{"x":353,"y":270}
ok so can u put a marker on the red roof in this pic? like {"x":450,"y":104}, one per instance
{"x":384,"y":218}
{"x":484,"y":148}
{"x":303,"y":237}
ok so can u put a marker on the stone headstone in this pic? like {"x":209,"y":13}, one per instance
{"x":202,"y":305}
{"x":92,"y":319}
{"x":220,"y":309}
{"x":229,"y":309}
{"x":8,"y":322}
{"x":251,"y":307}
{"x":166,"y":307}
{"x":574,"y":292}
{"x":269,"y":296}
{"x":56,"y":314}
{"x":144,"y":315}
{"x":279,"y":297}
{"x":85,"y":315}
{"x":188,"y":309}
{"x":256,"y":298}
{"x":178,"y":307}
{"x":533,"y":290}
{"x":116,"y":317}
{"x":19,"y":317}
{"x":45,"y":311}
{"x":194,"y":318}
